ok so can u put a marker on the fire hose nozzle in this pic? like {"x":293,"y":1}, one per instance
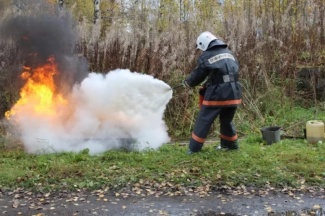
{"x":176,"y":87}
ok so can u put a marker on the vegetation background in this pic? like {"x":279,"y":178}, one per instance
{"x":279,"y":44}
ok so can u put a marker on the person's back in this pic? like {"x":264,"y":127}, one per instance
{"x":222,"y":86}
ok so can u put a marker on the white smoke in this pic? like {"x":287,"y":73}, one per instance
{"x":120,"y":109}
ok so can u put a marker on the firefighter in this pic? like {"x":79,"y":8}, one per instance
{"x":217,"y":69}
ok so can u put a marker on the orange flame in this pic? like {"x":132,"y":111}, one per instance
{"x":39,"y":93}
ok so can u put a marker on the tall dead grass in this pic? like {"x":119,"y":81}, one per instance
{"x":273,"y":41}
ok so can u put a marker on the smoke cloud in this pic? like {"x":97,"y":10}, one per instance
{"x":44,"y":35}
{"x":120,"y":109}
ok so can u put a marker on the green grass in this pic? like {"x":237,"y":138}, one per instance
{"x":289,"y":163}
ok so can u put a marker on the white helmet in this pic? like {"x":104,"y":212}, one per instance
{"x":204,"y":39}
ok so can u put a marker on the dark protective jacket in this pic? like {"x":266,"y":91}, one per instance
{"x":219,"y":68}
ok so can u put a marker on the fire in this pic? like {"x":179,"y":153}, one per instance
{"x":39,"y":94}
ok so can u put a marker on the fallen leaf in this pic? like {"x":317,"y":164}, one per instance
{"x":316,"y":207}
{"x":15,"y":204}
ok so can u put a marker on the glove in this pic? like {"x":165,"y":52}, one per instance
{"x":184,"y":84}
{"x":202,"y":90}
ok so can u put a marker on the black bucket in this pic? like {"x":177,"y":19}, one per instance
{"x":128,"y":144}
{"x":271,"y":134}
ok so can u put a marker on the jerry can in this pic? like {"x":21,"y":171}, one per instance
{"x":314,"y":131}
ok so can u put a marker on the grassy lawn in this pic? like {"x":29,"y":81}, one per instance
{"x":288,"y":163}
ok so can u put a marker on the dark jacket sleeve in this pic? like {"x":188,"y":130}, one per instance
{"x":197,"y":75}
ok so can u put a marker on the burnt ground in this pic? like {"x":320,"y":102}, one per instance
{"x":21,"y":202}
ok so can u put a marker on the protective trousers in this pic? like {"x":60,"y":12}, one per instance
{"x":206,"y":116}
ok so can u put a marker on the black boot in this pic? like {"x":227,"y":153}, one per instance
{"x":228,"y":145}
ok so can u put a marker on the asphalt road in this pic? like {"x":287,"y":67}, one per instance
{"x":214,"y":203}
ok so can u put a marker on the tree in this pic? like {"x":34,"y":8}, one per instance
{"x":61,"y":4}
{"x":96,"y":11}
